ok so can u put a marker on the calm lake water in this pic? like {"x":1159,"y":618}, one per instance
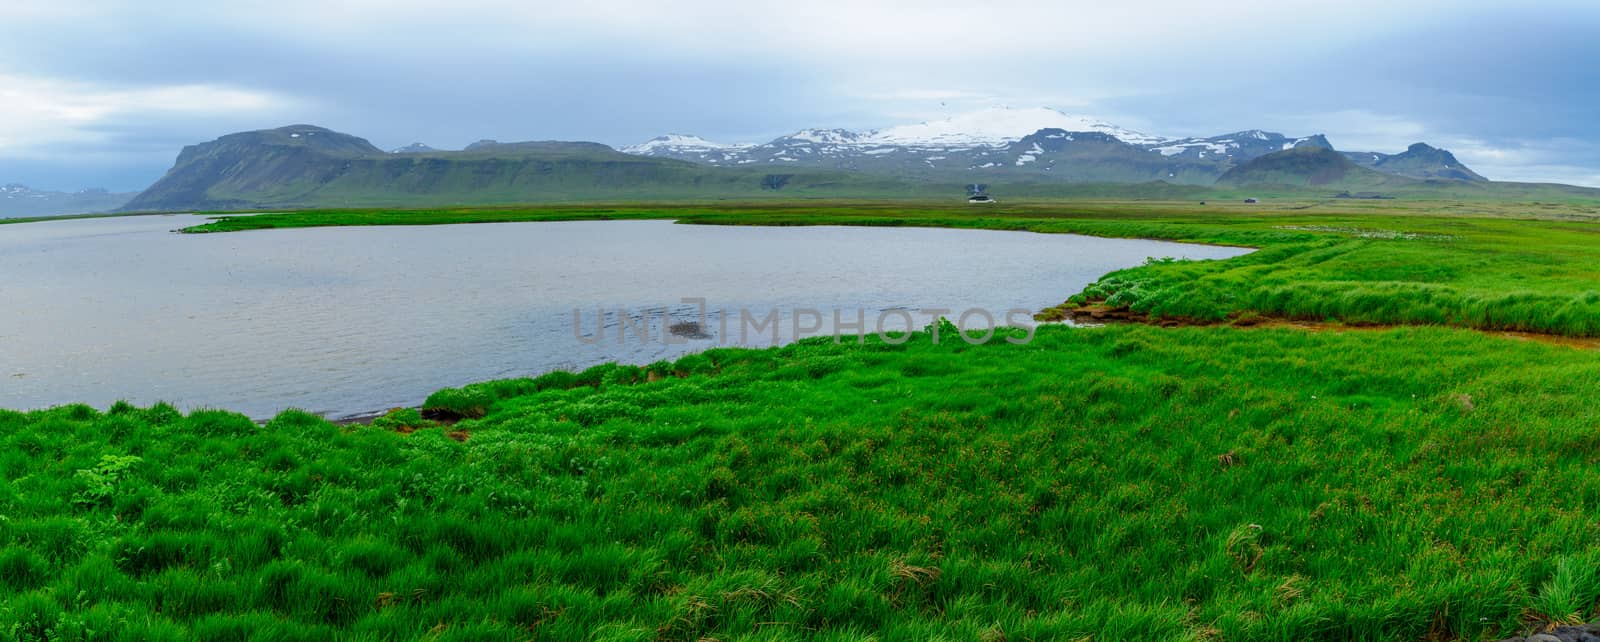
{"x":348,"y":320}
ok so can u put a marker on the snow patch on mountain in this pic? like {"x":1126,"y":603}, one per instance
{"x":414,"y":148}
{"x":991,"y":128}
{"x":679,"y":143}
{"x":1215,"y":147}
{"x":823,"y":137}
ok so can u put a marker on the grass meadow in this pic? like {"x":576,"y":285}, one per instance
{"x":1126,"y":482}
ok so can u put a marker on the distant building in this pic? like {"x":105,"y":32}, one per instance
{"x":981,"y":198}
{"x":1251,"y":201}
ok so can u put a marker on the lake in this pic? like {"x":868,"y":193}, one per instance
{"x":343,"y":321}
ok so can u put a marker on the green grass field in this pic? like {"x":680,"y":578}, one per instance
{"x":1115,"y":483}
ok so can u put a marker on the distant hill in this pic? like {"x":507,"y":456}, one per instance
{"x":308,"y":166}
{"x":18,"y":201}
{"x":1310,"y":166}
{"x":1418,"y":161}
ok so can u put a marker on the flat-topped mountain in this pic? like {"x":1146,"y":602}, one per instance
{"x":546,"y":148}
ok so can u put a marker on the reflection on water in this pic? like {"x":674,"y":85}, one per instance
{"x":347,"y":320}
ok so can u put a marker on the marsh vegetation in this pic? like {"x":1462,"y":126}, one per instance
{"x":1118,"y":482}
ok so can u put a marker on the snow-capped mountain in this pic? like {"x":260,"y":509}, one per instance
{"x":1033,"y":144}
{"x":414,"y":148}
{"x":677,"y":144}
{"x":822,"y":137}
{"x":992,"y":127}
{"x":1236,"y":147}
{"x":1043,"y":143}
{"x":997,"y":126}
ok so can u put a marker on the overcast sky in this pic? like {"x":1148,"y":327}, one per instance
{"x":106,"y":92}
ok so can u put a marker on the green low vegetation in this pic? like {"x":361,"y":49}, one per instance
{"x":1494,"y":274}
{"x":1118,"y":483}
{"x":1125,"y":482}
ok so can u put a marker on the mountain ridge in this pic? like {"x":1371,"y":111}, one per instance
{"x":310,"y":166}
{"x":1420,"y":160}
{"x":981,"y":143}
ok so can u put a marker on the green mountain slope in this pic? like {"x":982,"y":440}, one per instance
{"x":1418,"y":161}
{"x":1310,"y":166}
{"x":306,"y":166}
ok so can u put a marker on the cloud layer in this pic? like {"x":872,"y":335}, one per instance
{"x":106,"y":91}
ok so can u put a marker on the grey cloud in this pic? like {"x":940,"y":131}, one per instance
{"x":1505,"y":84}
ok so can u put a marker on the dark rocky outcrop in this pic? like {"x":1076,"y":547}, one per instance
{"x":1581,"y":633}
